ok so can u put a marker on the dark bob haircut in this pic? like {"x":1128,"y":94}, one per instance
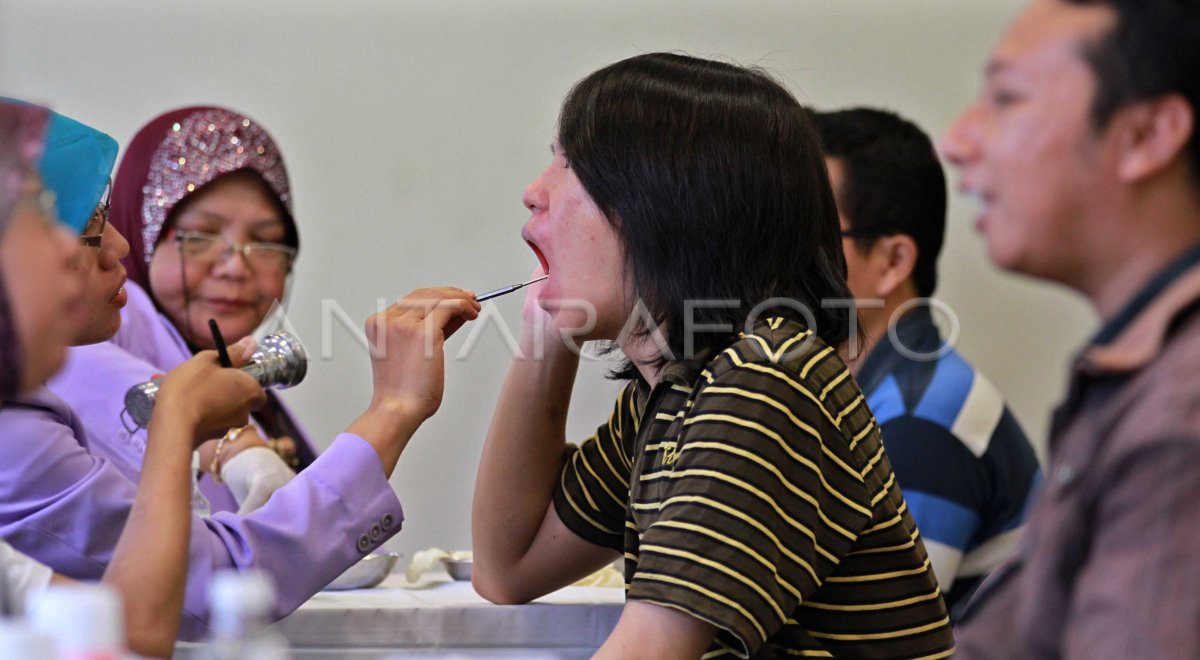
{"x":713,"y":178}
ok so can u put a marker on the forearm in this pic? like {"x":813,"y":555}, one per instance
{"x":521,"y":461}
{"x":387,"y":428}
{"x":316,"y":521}
{"x":408,"y":366}
{"x":149,"y":565}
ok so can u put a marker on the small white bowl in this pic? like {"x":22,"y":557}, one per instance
{"x":459,"y":569}
{"x":368,"y":572}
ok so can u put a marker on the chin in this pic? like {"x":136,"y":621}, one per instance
{"x":232,"y":328}
{"x":97,"y":333}
{"x":574,"y":323}
{"x":238,"y":332}
{"x":1002,"y":255}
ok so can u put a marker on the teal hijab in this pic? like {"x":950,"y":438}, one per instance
{"x":76,"y":164}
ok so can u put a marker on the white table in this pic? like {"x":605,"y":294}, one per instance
{"x":439,"y":617}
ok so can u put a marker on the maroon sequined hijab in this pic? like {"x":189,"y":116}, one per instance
{"x":22,"y":129}
{"x":175,"y":155}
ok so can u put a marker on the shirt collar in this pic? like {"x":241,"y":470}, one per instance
{"x":1136,"y":335}
{"x":915,"y":331}
{"x":685,"y":372}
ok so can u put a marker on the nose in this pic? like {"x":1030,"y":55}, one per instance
{"x":232,"y":263}
{"x":535,"y":196}
{"x":959,"y":144}
{"x":113,"y":247}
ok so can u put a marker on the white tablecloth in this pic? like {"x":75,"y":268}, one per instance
{"x":439,"y":617}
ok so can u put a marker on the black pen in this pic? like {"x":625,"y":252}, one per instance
{"x":222,"y":352}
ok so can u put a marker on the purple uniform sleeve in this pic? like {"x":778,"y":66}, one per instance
{"x":66,"y":508}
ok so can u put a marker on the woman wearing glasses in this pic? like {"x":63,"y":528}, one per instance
{"x":43,"y":295}
{"x":202,"y":195}
{"x":65,"y":499}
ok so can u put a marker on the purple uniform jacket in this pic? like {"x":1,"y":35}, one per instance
{"x":65,"y":507}
{"x":146,"y":344}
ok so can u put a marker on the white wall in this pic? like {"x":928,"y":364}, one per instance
{"x":411,"y":129}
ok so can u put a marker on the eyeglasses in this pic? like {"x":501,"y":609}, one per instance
{"x":207,"y":249}
{"x":93,"y":231}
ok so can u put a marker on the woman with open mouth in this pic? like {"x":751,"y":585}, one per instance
{"x":686,"y":216}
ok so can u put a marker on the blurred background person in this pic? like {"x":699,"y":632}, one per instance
{"x":1083,"y":154}
{"x":41,"y":288}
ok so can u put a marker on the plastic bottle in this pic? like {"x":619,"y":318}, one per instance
{"x":19,"y":640}
{"x":85,"y":621}
{"x":240,"y":604}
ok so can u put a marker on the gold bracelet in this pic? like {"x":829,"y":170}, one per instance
{"x":290,"y":461}
{"x":215,"y":468}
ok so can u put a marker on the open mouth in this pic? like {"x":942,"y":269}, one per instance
{"x":541,"y":257}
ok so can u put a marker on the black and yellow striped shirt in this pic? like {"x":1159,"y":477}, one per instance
{"x":753,"y":492}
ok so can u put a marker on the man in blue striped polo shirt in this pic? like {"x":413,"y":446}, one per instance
{"x":963,"y":462}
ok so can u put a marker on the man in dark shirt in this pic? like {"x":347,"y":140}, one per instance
{"x":962,"y":460}
{"x":1084,"y":154}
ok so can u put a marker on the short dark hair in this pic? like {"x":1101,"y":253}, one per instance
{"x":894,"y":183}
{"x":713,"y":179}
{"x":1153,"y":50}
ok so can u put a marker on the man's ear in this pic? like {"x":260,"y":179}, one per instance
{"x":1152,"y":134}
{"x":894,"y":257}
